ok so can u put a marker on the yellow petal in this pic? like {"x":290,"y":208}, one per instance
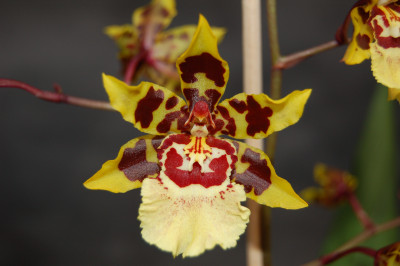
{"x":203,"y":72}
{"x":126,"y":39}
{"x":385,"y":52}
{"x":257,"y":116}
{"x":151,"y":108}
{"x":172,"y":43}
{"x":136,"y":160}
{"x":192,"y":219}
{"x":358,"y":49}
{"x":255,"y":172}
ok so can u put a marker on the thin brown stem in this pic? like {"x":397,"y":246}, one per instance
{"x":291,"y":60}
{"x":335,"y":256}
{"x":361,"y":214}
{"x":366,"y":234}
{"x":132,"y":66}
{"x":57,"y":96}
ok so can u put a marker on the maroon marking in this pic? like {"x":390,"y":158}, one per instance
{"x":213,"y":97}
{"x":165,"y":125}
{"x":134,"y":164}
{"x":395,"y":7}
{"x":204,"y":63}
{"x":385,"y":42}
{"x":223,"y":145}
{"x":156,"y":141}
{"x":257,"y":176}
{"x":363,"y":41}
{"x":183,"y":178}
{"x":257,"y":117}
{"x":219,"y":124}
{"x":231,"y":125}
{"x":147,"y":105}
{"x":171,"y":102}
{"x":176,"y":138}
{"x":184,"y":36}
{"x":192,"y":96}
{"x":164,"y":12}
{"x":364,"y":15}
{"x":239,"y":106}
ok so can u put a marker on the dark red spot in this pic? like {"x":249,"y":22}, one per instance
{"x":219,"y":124}
{"x":182,"y":116}
{"x":165,"y":125}
{"x":183,"y":178}
{"x":164,"y":12}
{"x":363,"y":41}
{"x":192,"y":95}
{"x":147,"y":105}
{"x":213,"y":97}
{"x":257,"y":176}
{"x":257,"y":117}
{"x":134,"y":164}
{"x":364,"y":15}
{"x":221,"y":144}
{"x":184,"y":36}
{"x":204,"y":63}
{"x":221,"y":194}
{"x":171,"y":102}
{"x":239,"y":106}
{"x":395,"y":7}
{"x":156,"y":141}
{"x":176,"y":138}
{"x":230,"y":126}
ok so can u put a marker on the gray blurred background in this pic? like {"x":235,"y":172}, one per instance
{"x":48,"y":150}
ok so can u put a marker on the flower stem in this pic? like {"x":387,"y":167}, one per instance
{"x":252,"y":83}
{"x":337,"y":255}
{"x":57,"y":96}
{"x":291,"y":60}
{"x":132,"y":66}
{"x":366,"y":234}
{"x":360,"y":212}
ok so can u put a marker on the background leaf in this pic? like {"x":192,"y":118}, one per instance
{"x":376,"y":170}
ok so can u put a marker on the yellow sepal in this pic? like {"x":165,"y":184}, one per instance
{"x":358,"y":49}
{"x":204,"y":42}
{"x":269,"y":116}
{"x":278,"y":194}
{"x":111,"y":178}
{"x":127,"y":100}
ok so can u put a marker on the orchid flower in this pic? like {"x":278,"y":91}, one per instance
{"x":377,"y":36}
{"x":193,"y":181}
{"x":335,"y":185}
{"x":146,"y":50}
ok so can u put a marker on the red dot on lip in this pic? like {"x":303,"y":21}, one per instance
{"x":200,"y":109}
